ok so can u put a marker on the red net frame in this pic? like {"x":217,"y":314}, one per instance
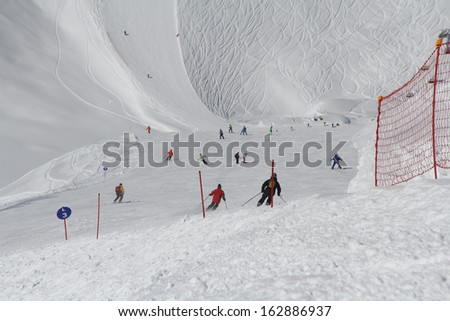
{"x":413,"y":125}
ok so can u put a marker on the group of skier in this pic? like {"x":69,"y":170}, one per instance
{"x":268,"y":190}
{"x":269,"y":186}
{"x":218,"y":194}
{"x":243,"y":131}
{"x":244,"y":158}
{"x":230,"y":130}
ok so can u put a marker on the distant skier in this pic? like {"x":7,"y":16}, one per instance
{"x":221,"y":134}
{"x":336,"y":159}
{"x":149,"y":129}
{"x":271,"y":130}
{"x":149,"y":77}
{"x":266,"y":189}
{"x":244,"y":131}
{"x":169,"y":155}
{"x":120,"y":191}
{"x":237,"y":157}
{"x":230,"y":128}
{"x":204,"y":159}
{"x":125,"y":33}
{"x":244,"y":158}
{"x":217,"y":195}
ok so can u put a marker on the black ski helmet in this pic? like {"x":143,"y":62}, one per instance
{"x":219,"y":186}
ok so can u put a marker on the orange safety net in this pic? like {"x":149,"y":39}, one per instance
{"x":413,"y":127}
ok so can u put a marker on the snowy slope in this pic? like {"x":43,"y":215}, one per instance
{"x":273,"y":57}
{"x":337,"y":237}
{"x":280,"y":56}
{"x":49,"y":103}
{"x":67,"y":84}
{"x":324,"y":244}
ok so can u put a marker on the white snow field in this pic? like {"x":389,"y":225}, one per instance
{"x":78,"y":74}
{"x":72,"y":78}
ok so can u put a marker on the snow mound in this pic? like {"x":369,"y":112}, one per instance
{"x":69,"y":171}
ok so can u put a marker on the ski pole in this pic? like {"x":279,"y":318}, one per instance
{"x":205,"y":200}
{"x":251,"y":198}
{"x":226,"y":206}
{"x":282,"y":199}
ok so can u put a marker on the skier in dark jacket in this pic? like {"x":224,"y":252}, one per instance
{"x":221,"y":134}
{"x":237,"y":157}
{"x":336,"y":159}
{"x":217,"y":195}
{"x":267,"y":187}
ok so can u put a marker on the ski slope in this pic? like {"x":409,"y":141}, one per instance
{"x":324,"y":244}
{"x":72,"y":63}
{"x":275,"y":57}
{"x":73,"y":78}
{"x":184,"y":66}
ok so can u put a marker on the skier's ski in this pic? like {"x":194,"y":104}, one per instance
{"x":124,"y":202}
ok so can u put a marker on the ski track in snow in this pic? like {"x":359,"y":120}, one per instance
{"x":337,"y":238}
{"x":237,"y":52}
{"x":88,"y":66}
{"x":132,"y":119}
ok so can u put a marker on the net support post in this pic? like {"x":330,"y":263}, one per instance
{"x":380,"y":99}
{"x":433,"y":123}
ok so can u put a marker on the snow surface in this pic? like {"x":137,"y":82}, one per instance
{"x":73,"y":78}
{"x":279,"y":56}
{"x":336,"y":238}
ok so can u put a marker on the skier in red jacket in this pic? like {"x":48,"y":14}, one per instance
{"x":169,"y":155}
{"x":217,"y":195}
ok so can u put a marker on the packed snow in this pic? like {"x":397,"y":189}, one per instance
{"x":97,"y":69}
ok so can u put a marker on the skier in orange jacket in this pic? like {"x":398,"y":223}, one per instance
{"x":120,"y":191}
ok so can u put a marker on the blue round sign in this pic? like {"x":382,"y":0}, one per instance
{"x":63,"y":213}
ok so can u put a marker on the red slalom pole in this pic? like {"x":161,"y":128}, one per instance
{"x":98,"y":214}
{"x":201,"y":193}
{"x":65,"y":229}
{"x":272,"y":188}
